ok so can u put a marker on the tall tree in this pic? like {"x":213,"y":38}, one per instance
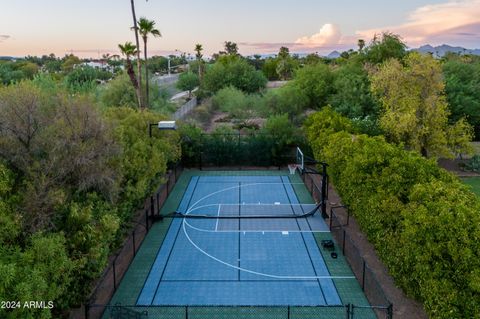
{"x":462,"y":83}
{"x":414,"y":107}
{"x":199,"y":56}
{"x":231,"y":48}
{"x":137,"y":43}
{"x":188,"y":81}
{"x":389,"y":46}
{"x":145,"y":28}
{"x":129,"y":50}
{"x":284,"y":64}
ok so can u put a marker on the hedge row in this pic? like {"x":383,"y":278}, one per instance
{"x":423,"y":222}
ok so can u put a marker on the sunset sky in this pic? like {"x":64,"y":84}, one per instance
{"x":90,"y":28}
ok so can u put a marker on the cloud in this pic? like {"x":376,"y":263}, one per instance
{"x":4,"y":37}
{"x":266,"y":46}
{"x":272,"y":47}
{"x":328,"y":35}
{"x":329,"y":38}
{"x":454,"y":20}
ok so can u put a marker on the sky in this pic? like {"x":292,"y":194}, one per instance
{"x":90,"y":28}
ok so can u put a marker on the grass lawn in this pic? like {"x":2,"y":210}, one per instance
{"x":474,"y":183}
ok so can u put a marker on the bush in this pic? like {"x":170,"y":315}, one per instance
{"x":473,"y":164}
{"x":237,"y":103}
{"x":352,"y":97}
{"x":288,"y":99}
{"x":316,"y":83}
{"x":422,"y":220}
{"x":143,"y":159}
{"x":234,"y":72}
{"x":119,"y":92}
{"x":86,"y":75}
{"x":70,"y":180}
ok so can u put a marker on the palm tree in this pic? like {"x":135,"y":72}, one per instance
{"x":199,"y":55}
{"x":129,"y":50}
{"x":146,"y":27}
{"x":137,"y":42}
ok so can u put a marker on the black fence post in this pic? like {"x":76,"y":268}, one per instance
{"x":348,"y":311}
{"x":324,"y":190}
{"x":186,"y":312}
{"x":331,"y":219}
{"x":288,"y":312}
{"x":152,"y":207}
{"x":133,"y":242}
{"x":348,"y":215}
{"x":343,"y":242}
{"x":327,"y":185}
{"x":146,"y":219}
{"x":168,"y":183}
{"x":363,"y":275}
{"x":87,"y":309}
{"x":390,"y":312}
{"x":114,"y":274}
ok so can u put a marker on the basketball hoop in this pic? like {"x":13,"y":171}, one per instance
{"x":293,"y":168}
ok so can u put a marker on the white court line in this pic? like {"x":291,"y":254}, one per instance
{"x":234,"y":187}
{"x":192,"y":209}
{"x":218,"y":214}
{"x":184,"y":222}
{"x":256,"y":272}
{"x":251,"y":231}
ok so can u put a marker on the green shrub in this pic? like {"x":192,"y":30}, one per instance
{"x":119,"y":92}
{"x":234,"y":72}
{"x":143,"y":159}
{"x":473,"y":164}
{"x":316,"y":83}
{"x":70,"y":180}
{"x":422,"y":221}
{"x":287,"y":99}
{"x":237,"y":103}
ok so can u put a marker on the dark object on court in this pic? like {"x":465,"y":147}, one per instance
{"x":328,"y":244}
{"x":334,"y":255}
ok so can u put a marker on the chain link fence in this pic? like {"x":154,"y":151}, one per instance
{"x":119,"y":263}
{"x":97,"y":306}
{"x":236,"y":149}
{"x":237,"y":312}
{"x":364,"y":274}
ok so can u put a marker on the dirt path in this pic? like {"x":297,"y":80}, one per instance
{"x":403,"y":307}
{"x":453,"y":166}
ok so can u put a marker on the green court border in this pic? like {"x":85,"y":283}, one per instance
{"x":132,"y":283}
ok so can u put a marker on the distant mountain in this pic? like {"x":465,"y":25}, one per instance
{"x":441,"y":50}
{"x":334,"y":55}
{"x":8,"y":58}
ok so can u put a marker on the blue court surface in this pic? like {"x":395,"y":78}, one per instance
{"x":244,"y":261}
